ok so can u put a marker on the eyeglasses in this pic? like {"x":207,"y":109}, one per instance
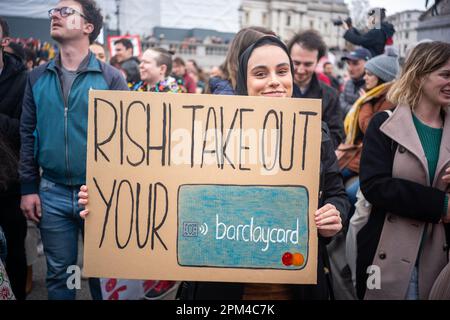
{"x":64,"y":12}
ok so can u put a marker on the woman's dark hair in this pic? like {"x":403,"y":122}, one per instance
{"x":223,"y":68}
{"x":380,"y":81}
{"x":93,"y":15}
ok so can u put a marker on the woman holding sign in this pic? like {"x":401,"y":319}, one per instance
{"x":266,"y":70}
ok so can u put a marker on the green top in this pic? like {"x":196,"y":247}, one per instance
{"x":430,"y":138}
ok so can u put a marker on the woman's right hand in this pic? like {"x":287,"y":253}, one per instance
{"x":83,"y":198}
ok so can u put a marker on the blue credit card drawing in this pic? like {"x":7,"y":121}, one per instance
{"x":243,"y":226}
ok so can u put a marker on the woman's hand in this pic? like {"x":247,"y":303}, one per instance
{"x":446,"y":178}
{"x":328,"y":220}
{"x":83,"y":198}
{"x":362,"y":92}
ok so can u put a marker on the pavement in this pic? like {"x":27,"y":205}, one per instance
{"x":39,"y":290}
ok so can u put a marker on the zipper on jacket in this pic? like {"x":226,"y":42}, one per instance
{"x":66,"y":143}
{"x":66,"y":128}
{"x":69,"y":180}
{"x":66,"y":124}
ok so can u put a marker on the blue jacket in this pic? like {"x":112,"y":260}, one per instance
{"x":53,"y":131}
{"x":220,"y":86}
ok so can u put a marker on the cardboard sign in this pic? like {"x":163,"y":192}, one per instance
{"x":202,"y":187}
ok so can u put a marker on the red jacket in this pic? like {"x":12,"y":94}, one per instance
{"x":323,"y":78}
{"x":189,"y":83}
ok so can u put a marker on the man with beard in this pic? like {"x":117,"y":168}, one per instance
{"x":306,"y":49}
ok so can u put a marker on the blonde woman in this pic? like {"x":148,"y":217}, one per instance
{"x":405,"y":175}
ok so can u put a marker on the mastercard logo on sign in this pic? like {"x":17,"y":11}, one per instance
{"x":296,"y":259}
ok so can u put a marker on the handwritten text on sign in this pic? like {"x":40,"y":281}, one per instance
{"x":201,"y":187}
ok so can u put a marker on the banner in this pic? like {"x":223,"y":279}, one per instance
{"x":202,"y":187}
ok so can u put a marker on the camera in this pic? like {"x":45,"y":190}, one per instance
{"x":339,"y":21}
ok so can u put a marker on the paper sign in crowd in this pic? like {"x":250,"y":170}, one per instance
{"x":202,"y":187}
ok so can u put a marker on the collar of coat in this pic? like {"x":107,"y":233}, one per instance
{"x":400,"y":128}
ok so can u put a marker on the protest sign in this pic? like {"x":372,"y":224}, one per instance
{"x":202,"y":187}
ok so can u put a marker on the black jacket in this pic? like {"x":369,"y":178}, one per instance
{"x":374,"y":40}
{"x":12,"y":86}
{"x":331,"y":110}
{"x":131,"y":68}
{"x":335,"y":84}
{"x":331,"y":191}
{"x":220,"y":86}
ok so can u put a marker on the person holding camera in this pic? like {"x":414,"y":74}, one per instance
{"x":380,"y":32}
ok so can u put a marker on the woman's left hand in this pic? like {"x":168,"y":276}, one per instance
{"x":328,"y":220}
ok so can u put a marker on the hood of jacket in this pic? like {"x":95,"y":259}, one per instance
{"x":13,"y":65}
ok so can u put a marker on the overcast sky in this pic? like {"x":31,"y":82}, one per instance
{"x":393,"y":6}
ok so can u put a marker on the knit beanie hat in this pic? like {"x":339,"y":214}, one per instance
{"x":385,"y":66}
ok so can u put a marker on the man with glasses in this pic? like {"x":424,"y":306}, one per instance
{"x":53,"y":132}
{"x":380,"y":32}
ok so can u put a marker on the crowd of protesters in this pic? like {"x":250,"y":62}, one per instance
{"x":384,"y":148}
